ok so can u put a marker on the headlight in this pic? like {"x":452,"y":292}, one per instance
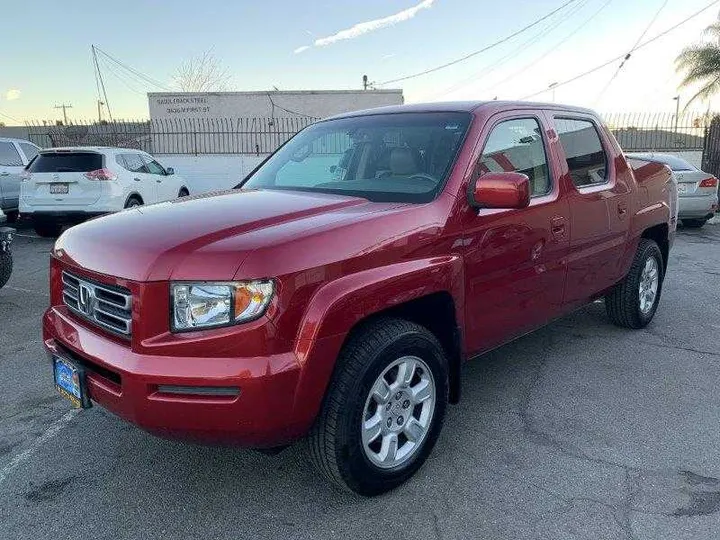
{"x":209,"y":305}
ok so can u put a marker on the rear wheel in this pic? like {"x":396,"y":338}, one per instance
{"x":384,"y":408}
{"x":183,"y":193}
{"x":633,"y":302}
{"x":694,"y":223}
{"x":133,"y":202}
{"x":6,"y":266}
{"x":47,"y":229}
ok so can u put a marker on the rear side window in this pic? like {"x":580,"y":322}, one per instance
{"x":134,"y":163}
{"x":29,"y":150}
{"x":585,"y":155}
{"x":66,"y":162}
{"x":9,"y":156}
{"x":517,"y":146}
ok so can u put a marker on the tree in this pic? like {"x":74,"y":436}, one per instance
{"x":203,"y":73}
{"x":701,"y":65}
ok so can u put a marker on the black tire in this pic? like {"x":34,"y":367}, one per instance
{"x":183,"y":193}
{"x":133,"y":201}
{"x":6,"y":266}
{"x":335,"y":441}
{"x":623,"y":303}
{"x":12,"y":217}
{"x":47,"y":229}
{"x":694,"y":223}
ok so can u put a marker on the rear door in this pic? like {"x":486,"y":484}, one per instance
{"x":599,"y":207}
{"x":515,"y":269}
{"x":58,"y":178}
{"x":142,"y":182}
{"x":11,"y":167}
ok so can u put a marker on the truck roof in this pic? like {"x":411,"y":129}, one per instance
{"x":461,"y":106}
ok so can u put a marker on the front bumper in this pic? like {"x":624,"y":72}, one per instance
{"x":697,"y":207}
{"x":133,"y":386}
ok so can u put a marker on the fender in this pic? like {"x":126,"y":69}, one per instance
{"x":338,"y":306}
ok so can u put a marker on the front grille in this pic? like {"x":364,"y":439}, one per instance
{"x":107,"y":306}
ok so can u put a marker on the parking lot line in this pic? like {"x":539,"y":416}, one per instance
{"x":20,"y":289}
{"x":53,"y":430}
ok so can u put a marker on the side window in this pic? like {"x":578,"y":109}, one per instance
{"x":585,"y":155}
{"x":517,"y":146}
{"x":9,"y":156}
{"x":153,"y":166}
{"x":30,"y":151}
{"x":134,"y":163}
{"x":120,"y":160}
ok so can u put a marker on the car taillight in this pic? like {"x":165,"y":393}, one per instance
{"x":709,"y":182}
{"x":100,"y":174}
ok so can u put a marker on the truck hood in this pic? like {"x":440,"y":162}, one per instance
{"x":203,"y":237}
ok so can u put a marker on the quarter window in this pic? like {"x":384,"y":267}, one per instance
{"x":30,"y":151}
{"x":9,"y":156}
{"x":585,"y":155}
{"x":517,"y":146}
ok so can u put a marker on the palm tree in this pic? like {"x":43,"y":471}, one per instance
{"x":701,"y":64}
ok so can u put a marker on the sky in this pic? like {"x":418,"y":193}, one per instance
{"x":330,"y":45}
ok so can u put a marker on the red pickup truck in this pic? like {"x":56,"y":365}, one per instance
{"x":336,"y":294}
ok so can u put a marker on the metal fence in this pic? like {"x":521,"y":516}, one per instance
{"x":262,"y":135}
{"x":175,"y":136}
{"x":662,"y":132}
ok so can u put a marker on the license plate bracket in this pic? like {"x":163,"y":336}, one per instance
{"x":70,"y":382}
{"x":59,"y":189}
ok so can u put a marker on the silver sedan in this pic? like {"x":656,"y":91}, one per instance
{"x":697,"y":190}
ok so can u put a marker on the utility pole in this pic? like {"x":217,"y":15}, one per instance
{"x":552,"y":87}
{"x":365,"y":82}
{"x":100,"y":104}
{"x":64,"y":108}
{"x":677,"y":112}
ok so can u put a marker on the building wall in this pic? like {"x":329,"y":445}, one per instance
{"x":313,"y":103}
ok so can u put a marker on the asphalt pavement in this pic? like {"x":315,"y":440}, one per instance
{"x":578,"y":431}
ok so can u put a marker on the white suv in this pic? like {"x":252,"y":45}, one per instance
{"x":69,"y":185}
{"x":15,"y":154}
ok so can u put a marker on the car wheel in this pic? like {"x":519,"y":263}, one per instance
{"x":384,"y":408}
{"x":47,"y":229}
{"x":133,"y":202}
{"x":183,"y":193}
{"x":6,"y":266}
{"x":694,"y":223}
{"x":633,"y":302}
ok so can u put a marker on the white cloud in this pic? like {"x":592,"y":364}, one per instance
{"x":12,"y":94}
{"x":369,"y":26}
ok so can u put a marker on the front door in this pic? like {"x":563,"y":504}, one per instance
{"x":11,"y":167}
{"x":599,"y":209}
{"x":515,"y":267}
{"x":164,"y":184}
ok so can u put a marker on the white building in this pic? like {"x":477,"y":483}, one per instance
{"x":300,"y":103}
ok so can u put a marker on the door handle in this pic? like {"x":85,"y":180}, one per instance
{"x":622,"y":210}
{"x":159,"y":181}
{"x":137,"y":179}
{"x":558,"y":227}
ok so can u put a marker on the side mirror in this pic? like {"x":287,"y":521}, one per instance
{"x":500,"y":190}
{"x":169,"y":171}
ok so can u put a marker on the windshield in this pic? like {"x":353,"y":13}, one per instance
{"x":384,"y":158}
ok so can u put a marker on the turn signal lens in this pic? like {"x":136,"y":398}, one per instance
{"x":709,"y":182}
{"x":101,"y":174}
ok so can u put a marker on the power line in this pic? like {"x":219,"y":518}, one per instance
{"x":628,"y":55}
{"x":492,"y":67}
{"x":10,"y":117}
{"x":484,"y":49}
{"x":640,"y":46}
{"x":102,"y":83}
{"x":276,"y":106}
{"x":146,"y":78}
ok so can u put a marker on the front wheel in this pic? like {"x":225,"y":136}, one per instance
{"x":6,"y":266}
{"x":384,"y":408}
{"x":633,"y":301}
